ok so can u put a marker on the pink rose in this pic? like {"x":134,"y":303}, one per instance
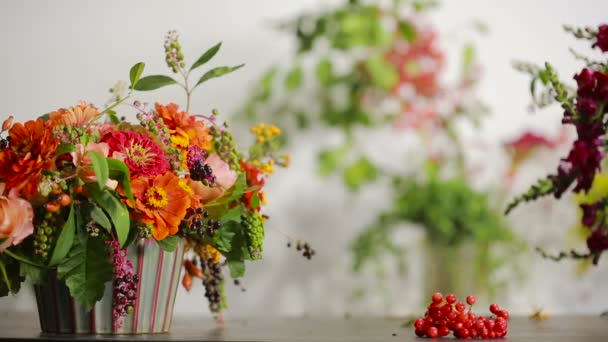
{"x":224,"y":176}
{"x":16,"y":219}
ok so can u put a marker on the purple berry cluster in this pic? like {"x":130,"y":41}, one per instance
{"x":124,"y":286}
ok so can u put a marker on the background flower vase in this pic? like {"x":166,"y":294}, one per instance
{"x":152,"y":312}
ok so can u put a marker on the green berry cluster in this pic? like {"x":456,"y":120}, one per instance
{"x":44,"y":238}
{"x":226,"y":147}
{"x":254,"y":232}
{"x":173,"y":52}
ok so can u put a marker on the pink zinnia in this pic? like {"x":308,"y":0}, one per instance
{"x":142,"y":155}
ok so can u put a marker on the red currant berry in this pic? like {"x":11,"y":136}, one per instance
{"x":485,"y":333}
{"x":437,"y":297}
{"x":419,"y":324}
{"x":453,"y":315}
{"x":479,"y":325}
{"x":471,"y":316}
{"x":458,"y":326}
{"x":468,"y":324}
{"x":503,"y":313}
{"x":460,"y":307}
{"x":494,"y":308}
{"x":419,"y":333}
{"x":471,"y":299}
{"x":444,"y":331}
{"x":446,"y":309}
{"x":473,"y":333}
{"x":451,"y":298}
{"x":464,"y":333}
{"x":492,"y":334}
{"x":432,"y":332}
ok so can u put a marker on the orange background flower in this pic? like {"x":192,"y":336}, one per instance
{"x":182,"y":124}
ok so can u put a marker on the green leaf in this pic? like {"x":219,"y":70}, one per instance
{"x":324,"y":72}
{"x":65,"y":239}
{"x":169,"y":243}
{"x":255,"y":200}
{"x":294,"y":78}
{"x":233,"y":214}
{"x":100,"y":167}
{"x":330,"y":160}
{"x":205,"y":57}
{"x":113,"y":117}
{"x":217,"y":72}
{"x":542,"y":188}
{"x":153,"y":82}
{"x":237,"y":268}
{"x":135,"y":73}
{"x":120,"y":171}
{"x":116,"y":210}
{"x":407,"y":31}
{"x":468,"y":59}
{"x":65,"y":148}
{"x":10,"y":278}
{"x":35,"y":275}
{"x":360,"y":173}
{"x":86,"y":270}
{"x":98,"y":215}
{"x":382,"y":72}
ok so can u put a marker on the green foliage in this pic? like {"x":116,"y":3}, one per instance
{"x":135,"y":73}
{"x":294,"y":78}
{"x":449,"y":211}
{"x":100,"y":167}
{"x":169,"y":243}
{"x":116,"y":211}
{"x":359,"y":173}
{"x":542,"y":188}
{"x":254,"y":233}
{"x":65,"y":240}
{"x":86,"y":270}
{"x":217,"y":72}
{"x":206,"y":56}
{"x":10,"y":277}
{"x":382,"y":72}
{"x":153,"y":82}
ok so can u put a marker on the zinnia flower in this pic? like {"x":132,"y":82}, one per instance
{"x":142,"y":155}
{"x":162,"y":202}
{"x":77,"y":116}
{"x":183,"y":126}
{"x":31,"y":150}
{"x":16,"y":215}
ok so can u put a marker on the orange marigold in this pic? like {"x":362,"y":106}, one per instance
{"x":31,"y":150}
{"x":162,"y":202}
{"x":184,"y":126}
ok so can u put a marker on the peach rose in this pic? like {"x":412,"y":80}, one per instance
{"x":81,"y":157}
{"x":16,"y":218}
{"x":224,"y":177}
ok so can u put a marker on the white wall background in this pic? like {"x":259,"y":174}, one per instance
{"x":54,"y":53}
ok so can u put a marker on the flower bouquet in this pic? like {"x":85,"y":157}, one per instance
{"x":98,"y":212}
{"x":584,"y":108}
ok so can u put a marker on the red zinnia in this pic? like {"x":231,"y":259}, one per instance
{"x":142,"y":155}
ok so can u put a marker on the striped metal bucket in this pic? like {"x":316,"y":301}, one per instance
{"x":158,"y":272}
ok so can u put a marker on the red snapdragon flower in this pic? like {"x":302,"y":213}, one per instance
{"x":602,"y":38}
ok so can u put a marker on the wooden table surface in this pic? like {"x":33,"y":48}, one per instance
{"x":555,"y":329}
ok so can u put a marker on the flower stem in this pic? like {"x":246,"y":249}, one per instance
{"x":5,"y":276}
{"x":23,"y":259}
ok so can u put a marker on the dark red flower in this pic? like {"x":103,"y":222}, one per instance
{"x":586,"y":106}
{"x":598,"y":241}
{"x":586,"y":82}
{"x":583,"y":161}
{"x":602,"y":38}
{"x":589,"y":214}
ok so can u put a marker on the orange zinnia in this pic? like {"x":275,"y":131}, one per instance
{"x":182,"y":125}
{"x":31,"y":150}
{"x":77,"y":116}
{"x":162,"y":202}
